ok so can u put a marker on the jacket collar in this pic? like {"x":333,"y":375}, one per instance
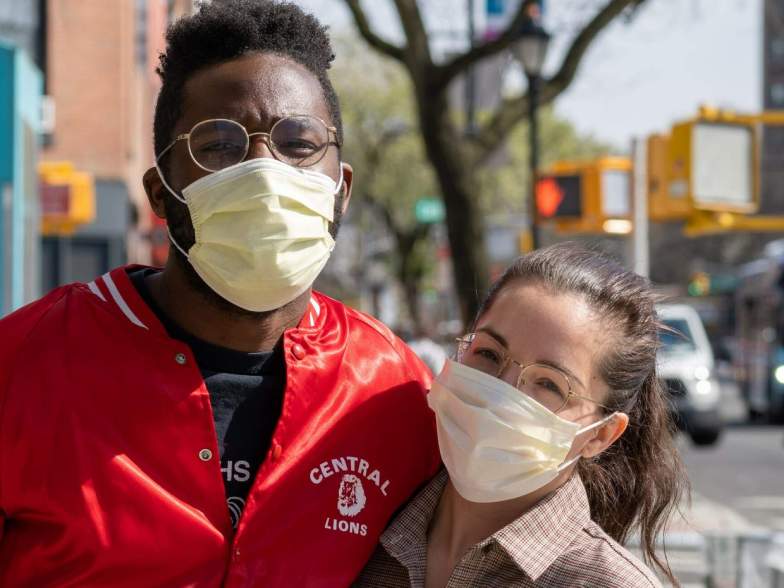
{"x":115,"y":289}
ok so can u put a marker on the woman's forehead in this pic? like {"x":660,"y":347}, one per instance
{"x":540,"y":324}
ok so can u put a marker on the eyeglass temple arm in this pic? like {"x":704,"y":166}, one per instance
{"x":170,"y":145}
{"x":581,"y":397}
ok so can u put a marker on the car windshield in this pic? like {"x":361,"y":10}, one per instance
{"x":679,"y":341}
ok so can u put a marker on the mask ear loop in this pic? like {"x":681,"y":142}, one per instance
{"x":177,"y":245}
{"x":177,"y":196}
{"x":340,"y":183}
{"x":595,"y":425}
{"x":166,"y":184}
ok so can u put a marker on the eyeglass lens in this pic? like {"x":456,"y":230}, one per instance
{"x":298,"y":140}
{"x":548,"y":386}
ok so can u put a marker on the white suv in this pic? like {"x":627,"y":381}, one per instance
{"x":686,"y":367}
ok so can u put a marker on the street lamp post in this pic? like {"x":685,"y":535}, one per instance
{"x":531,"y":50}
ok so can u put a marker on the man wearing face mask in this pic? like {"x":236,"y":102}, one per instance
{"x":216,"y":422}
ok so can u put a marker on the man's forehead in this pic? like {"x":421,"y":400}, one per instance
{"x":255,"y":86}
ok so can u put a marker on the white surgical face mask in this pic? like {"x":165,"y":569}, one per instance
{"x":496,"y":442}
{"x":261,"y":230}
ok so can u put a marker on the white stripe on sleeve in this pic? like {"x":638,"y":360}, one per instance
{"x":115,"y":293}
{"x":95,"y":290}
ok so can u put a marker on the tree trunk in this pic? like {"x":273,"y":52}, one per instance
{"x":407,"y":271}
{"x":444,"y":146}
{"x":411,"y":291}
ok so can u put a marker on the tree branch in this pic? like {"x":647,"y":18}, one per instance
{"x":379,"y":44}
{"x":512,"y":111}
{"x":386,"y":215}
{"x":418,"y":46}
{"x":561,"y":80}
{"x":460,"y":63}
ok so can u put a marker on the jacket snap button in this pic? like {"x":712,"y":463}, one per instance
{"x":276,"y":451}
{"x":180,"y":358}
{"x":298,"y":351}
{"x":205,"y":455}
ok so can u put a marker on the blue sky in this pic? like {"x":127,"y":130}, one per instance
{"x":639,"y":77}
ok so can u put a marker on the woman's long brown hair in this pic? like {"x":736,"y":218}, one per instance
{"x":637,"y":483}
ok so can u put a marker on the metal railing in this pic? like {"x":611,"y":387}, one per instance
{"x":713,"y":560}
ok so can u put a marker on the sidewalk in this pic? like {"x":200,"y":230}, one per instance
{"x":705,"y":516}
{"x":702,"y":525}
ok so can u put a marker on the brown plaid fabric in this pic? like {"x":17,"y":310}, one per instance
{"x":554,"y":545}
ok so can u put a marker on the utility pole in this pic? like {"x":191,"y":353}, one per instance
{"x":533,"y":129}
{"x":470,"y":89}
{"x":640,"y":240}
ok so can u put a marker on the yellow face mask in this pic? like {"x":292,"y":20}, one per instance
{"x":261,"y":231}
{"x":496,"y":442}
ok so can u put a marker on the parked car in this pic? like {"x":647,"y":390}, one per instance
{"x":687,"y":368}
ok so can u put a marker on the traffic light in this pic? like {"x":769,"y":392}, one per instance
{"x":588,"y":197}
{"x":559,"y":196}
{"x":666,"y":201}
{"x":713,"y":163}
{"x":706,"y":168}
{"x":67,"y":197}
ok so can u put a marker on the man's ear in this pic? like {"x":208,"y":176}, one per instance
{"x":606,"y":435}
{"x":156,"y":192}
{"x":348,"y":181}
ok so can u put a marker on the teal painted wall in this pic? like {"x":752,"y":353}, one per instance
{"x":21,"y":86}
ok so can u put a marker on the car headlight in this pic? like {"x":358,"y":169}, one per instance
{"x":703,"y":387}
{"x":701,"y":373}
{"x":779,"y":374}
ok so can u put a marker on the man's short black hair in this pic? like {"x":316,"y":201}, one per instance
{"x":227,"y":29}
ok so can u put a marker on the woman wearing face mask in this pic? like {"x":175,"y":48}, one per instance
{"x":556,"y":438}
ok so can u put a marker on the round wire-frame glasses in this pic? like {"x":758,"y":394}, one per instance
{"x":300,"y":140}
{"x":546,"y":384}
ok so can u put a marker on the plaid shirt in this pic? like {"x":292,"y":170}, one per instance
{"x":555,"y":544}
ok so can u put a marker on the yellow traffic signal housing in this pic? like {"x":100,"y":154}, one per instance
{"x":587,"y":197}
{"x":713,"y":163}
{"x":666,"y":202}
{"x":67,"y":197}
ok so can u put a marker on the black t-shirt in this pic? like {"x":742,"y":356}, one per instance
{"x":246,"y":393}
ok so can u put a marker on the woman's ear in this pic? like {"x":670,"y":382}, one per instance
{"x":606,"y":435}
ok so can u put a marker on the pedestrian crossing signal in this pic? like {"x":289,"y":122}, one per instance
{"x":588,"y":197}
{"x":559,"y":197}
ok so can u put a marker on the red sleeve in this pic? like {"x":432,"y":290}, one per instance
{"x":14,"y":329}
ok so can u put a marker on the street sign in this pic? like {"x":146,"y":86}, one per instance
{"x":429,"y":210}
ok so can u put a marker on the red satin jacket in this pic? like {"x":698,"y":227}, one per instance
{"x":109,"y":469}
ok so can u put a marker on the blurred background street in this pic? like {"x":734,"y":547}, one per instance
{"x":744,"y":472}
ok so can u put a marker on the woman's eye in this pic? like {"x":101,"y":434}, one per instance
{"x":549,"y":385}
{"x":488,"y":354}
